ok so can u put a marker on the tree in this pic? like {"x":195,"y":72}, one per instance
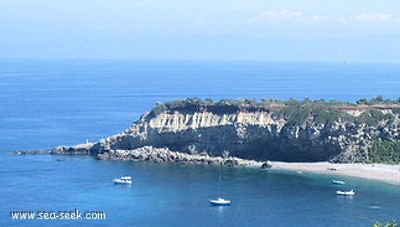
{"x":362,"y":102}
{"x":377,"y":100}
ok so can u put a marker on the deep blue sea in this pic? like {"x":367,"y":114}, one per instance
{"x":45,"y":103}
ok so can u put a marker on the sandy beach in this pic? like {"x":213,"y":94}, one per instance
{"x":381,"y":172}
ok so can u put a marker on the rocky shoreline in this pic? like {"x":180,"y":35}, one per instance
{"x":381,"y":172}
{"x":249,"y":134}
{"x":164,"y":155}
{"x":149,"y":154}
{"x":80,"y":149}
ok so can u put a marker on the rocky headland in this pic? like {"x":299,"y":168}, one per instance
{"x":232,"y":132}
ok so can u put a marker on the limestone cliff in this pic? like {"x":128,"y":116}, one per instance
{"x":257,"y":132}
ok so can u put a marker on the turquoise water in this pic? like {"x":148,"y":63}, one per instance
{"x":47,"y":103}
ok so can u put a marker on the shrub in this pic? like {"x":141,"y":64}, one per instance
{"x":159,"y":108}
{"x":372,"y":117}
{"x":362,"y":102}
{"x":385,"y":151}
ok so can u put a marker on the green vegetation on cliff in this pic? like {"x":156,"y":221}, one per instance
{"x":386,"y":152}
{"x":294,"y":111}
{"x":373,"y":117}
{"x":297,"y":112}
{"x":378,"y":100}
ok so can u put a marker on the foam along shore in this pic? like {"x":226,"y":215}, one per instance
{"x":382,"y":172}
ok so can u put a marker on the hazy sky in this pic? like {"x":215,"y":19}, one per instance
{"x":201,"y":29}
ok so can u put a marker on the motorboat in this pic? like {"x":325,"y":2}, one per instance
{"x":123,"y":180}
{"x":351,"y":192}
{"x":338,"y":182}
{"x":219,"y":202}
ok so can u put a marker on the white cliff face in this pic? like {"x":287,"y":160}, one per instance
{"x":166,"y":122}
{"x":253,"y":135}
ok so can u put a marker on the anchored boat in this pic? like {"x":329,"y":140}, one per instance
{"x":351,"y":192}
{"x":123,"y":180}
{"x":338,"y":182}
{"x":219,"y":202}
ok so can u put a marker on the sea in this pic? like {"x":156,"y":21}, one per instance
{"x":46,"y":103}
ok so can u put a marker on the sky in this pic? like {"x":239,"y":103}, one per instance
{"x":306,"y":30}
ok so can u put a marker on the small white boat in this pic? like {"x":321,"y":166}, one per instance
{"x":351,"y":192}
{"x":123,"y":180}
{"x":338,"y":182}
{"x":219,"y":202}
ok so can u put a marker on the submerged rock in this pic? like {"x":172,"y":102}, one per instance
{"x":266,"y":165}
